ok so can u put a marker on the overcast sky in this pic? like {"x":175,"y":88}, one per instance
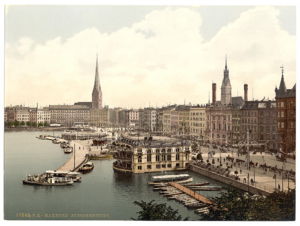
{"x":147,"y":55}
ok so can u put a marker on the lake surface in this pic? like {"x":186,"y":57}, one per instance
{"x":102,"y":194}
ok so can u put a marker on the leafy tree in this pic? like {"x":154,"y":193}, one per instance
{"x":235,"y":205}
{"x":33,"y":124}
{"x":199,"y":157}
{"x":28,"y":124}
{"x":46,"y":124}
{"x":157,"y":211}
{"x":22,"y":123}
{"x":16,"y":123}
{"x":40,"y":124}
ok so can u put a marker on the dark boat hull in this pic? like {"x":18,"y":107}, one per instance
{"x":44,"y":184}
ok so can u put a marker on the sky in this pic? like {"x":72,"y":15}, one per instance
{"x":148,"y":55}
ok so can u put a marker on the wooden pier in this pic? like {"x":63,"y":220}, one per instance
{"x":191,"y":193}
{"x":80,"y":151}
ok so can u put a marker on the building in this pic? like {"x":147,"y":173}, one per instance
{"x":259,"y":118}
{"x":286,"y":116}
{"x":43,"y":116}
{"x":148,"y":119}
{"x":32,"y":115}
{"x":182,"y":120}
{"x":22,"y":114}
{"x":97,"y":93}
{"x":150,"y":155}
{"x":68,"y":115}
{"x":219,"y":114}
{"x":99,"y":117}
{"x":133,"y":118}
{"x":197,"y":121}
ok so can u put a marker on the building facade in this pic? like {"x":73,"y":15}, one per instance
{"x":68,"y":115}
{"x":135,"y":156}
{"x":286,"y":116}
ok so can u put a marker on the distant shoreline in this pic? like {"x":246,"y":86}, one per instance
{"x":34,"y":129}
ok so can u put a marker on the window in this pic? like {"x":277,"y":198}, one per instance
{"x":163,"y":165}
{"x":139,"y":167}
{"x":177,"y":164}
{"x":148,"y":158}
{"x":169,"y":165}
{"x":177,"y":156}
{"x":149,"y":167}
{"x":169,"y":157}
{"x":157,"y":166}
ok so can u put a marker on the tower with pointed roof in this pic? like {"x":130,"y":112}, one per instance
{"x":97,"y":93}
{"x":226,"y":87}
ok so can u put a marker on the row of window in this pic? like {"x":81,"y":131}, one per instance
{"x":159,"y":166}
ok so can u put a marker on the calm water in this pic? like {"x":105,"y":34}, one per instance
{"x":103,"y":193}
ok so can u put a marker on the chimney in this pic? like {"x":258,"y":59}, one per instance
{"x":245,"y":92}
{"x":214,"y":89}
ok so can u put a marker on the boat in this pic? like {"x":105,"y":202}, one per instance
{"x":56,"y":141}
{"x":68,"y":150}
{"x":86,"y":167}
{"x":179,"y":178}
{"x":47,"y":179}
{"x":64,"y":145}
{"x":41,"y":137}
{"x":74,"y":176}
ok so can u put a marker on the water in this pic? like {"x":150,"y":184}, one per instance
{"x":102,"y":195}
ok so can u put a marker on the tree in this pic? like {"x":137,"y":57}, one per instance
{"x":46,"y":124}
{"x":28,"y":124}
{"x":40,"y":124}
{"x":236,"y":205}
{"x":156,"y":211}
{"x":16,"y":123}
{"x":33,"y":124}
{"x":22,"y":123}
{"x":199,"y":157}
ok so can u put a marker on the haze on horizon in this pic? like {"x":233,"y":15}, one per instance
{"x":147,"y":55}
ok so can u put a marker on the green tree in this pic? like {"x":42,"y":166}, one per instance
{"x":16,"y":123}
{"x":157,"y":211}
{"x":40,"y":124}
{"x":33,"y":124}
{"x":235,"y":205}
{"x":28,"y":124}
{"x":22,"y":123}
{"x":199,"y":157}
{"x":46,"y":124}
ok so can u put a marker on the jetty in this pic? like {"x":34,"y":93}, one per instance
{"x":79,"y":156}
{"x":191,"y":193}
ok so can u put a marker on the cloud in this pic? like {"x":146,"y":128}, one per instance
{"x":159,"y":60}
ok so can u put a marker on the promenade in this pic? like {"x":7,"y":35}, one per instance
{"x":266,"y":180}
{"x":80,"y":151}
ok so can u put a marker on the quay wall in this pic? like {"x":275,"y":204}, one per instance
{"x":228,"y":181}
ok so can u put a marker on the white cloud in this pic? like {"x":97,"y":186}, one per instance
{"x":161,"y":59}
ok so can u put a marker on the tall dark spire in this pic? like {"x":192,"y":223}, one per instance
{"x":97,"y":93}
{"x":282,"y":87}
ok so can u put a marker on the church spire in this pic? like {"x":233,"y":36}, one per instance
{"x":226,"y":86}
{"x":97,"y":93}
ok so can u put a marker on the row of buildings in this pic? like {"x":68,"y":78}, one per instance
{"x":228,"y":121}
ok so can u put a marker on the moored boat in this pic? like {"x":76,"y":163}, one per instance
{"x":68,"y":150}
{"x":86,"y":167}
{"x":47,"y":180}
{"x":179,"y":178}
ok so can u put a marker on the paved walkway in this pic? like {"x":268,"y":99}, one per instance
{"x":264,"y":180}
{"x":81,"y":149}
